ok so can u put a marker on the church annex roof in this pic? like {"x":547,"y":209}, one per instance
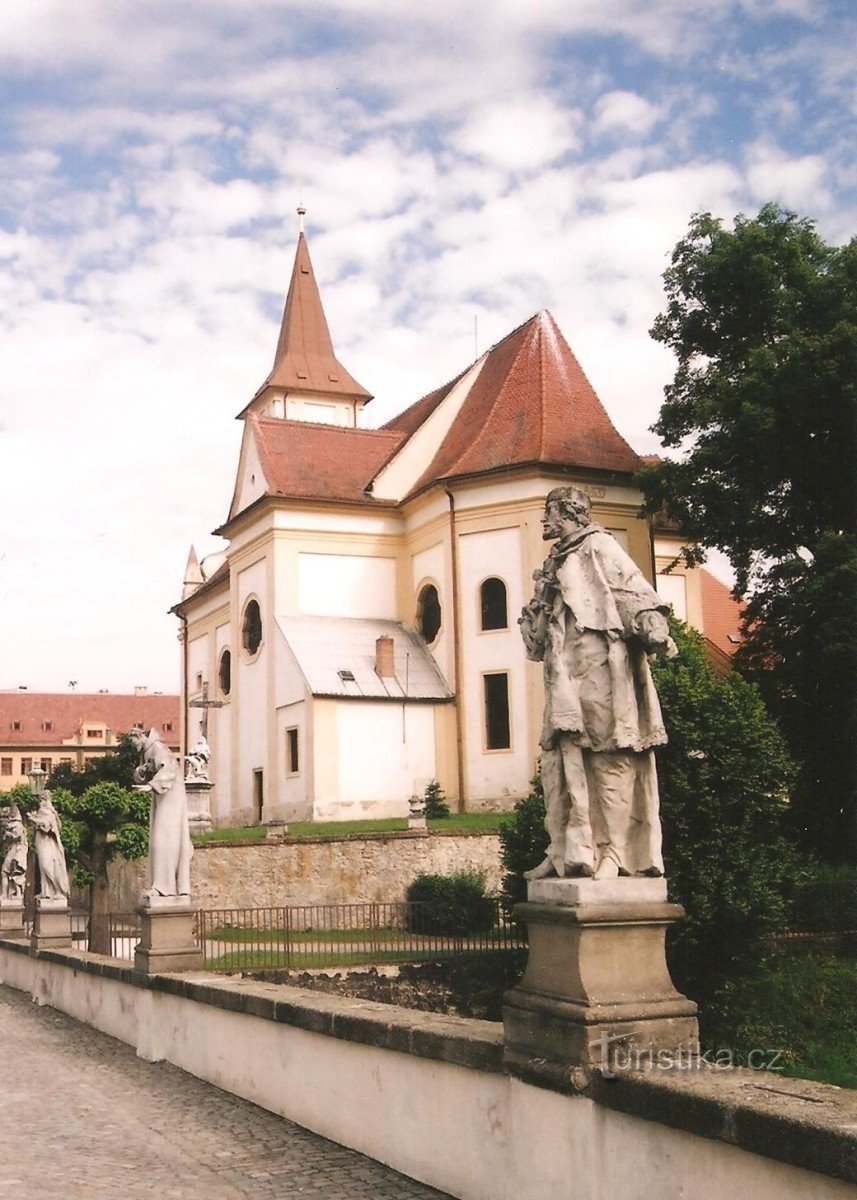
{"x":56,"y":718}
{"x":321,"y":462}
{"x":305,"y":360}
{"x":336,"y":656}
{"x":531,"y":403}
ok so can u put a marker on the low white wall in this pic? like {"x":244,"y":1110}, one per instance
{"x":475,"y":1133}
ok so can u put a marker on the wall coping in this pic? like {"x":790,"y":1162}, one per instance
{"x":795,"y":1121}
{"x":369,"y":836}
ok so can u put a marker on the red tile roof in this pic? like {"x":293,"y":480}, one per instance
{"x":305,"y":360}
{"x":531,"y":403}
{"x":721,"y":613}
{"x":321,"y":462}
{"x":69,"y":711}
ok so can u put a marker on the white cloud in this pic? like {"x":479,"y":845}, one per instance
{"x":625,"y":112}
{"x":520,"y":134}
{"x":795,"y":182}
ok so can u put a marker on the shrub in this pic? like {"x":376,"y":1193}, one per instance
{"x":523,"y":842}
{"x":435,"y":801}
{"x":451,"y":905}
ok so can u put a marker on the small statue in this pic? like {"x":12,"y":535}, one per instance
{"x":170,"y":847}
{"x":50,"y":854}
{"x":13,"y":873}
{"x":592,"y":621}
{"x":197,"y":762}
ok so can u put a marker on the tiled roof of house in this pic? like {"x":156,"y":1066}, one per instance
{"x":65,"y":713}
{"x":531,"y":403}
{"x":721,"y":613}
{"x":336,"y":656}
{"x":409,"y":421}
{"x":321,"y":462}
{"x":305,"y":360}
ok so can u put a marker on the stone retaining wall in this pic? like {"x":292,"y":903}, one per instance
{"x":347,"y":870}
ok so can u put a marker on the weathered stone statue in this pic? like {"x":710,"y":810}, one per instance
{"x":50,"y":854}
{"x":13,"y":838}
{"x":170,"y":847}
{"x":592,"y":621}
{"x":197,"y":761}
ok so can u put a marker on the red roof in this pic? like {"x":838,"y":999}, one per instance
{"x":721,"y":613}
{"x":305,"y":360}
{"x":68,"y":712}
{"x":531,"y":403}
{"x":321,"y":462}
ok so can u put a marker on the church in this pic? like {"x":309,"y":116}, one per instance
{"x":358,"y":638}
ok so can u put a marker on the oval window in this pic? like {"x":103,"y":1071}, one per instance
{"x":428,"y":613}
{"x":492,"y":598}
{"x":251,"y":630}
{"x":224,"y":674}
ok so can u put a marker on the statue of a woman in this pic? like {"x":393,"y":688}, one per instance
{"x":13,"y":873}
{"x":49,"y":850}
{"x":170,"y":848}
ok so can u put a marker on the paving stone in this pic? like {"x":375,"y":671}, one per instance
{"x":83,"y":1118}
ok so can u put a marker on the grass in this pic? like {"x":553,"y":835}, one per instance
{"x":480,"y":822}
{"x":249,"y":960}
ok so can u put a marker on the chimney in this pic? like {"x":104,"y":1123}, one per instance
{"x":385,"y":665}
{"x":141,"y":691}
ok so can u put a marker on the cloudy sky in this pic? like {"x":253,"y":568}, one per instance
{"x":457,"y":159}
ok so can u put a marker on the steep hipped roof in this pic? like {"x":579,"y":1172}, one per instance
{"x":531,"y":403}
{"x":320,"y":462}
{"x":721,"y":613}
{"x":305,"y":360}
{"x":67,"y":712}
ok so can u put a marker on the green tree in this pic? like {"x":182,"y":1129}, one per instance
{"x":762,"y":319}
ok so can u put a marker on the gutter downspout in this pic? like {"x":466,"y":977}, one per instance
{"x":456,"y":651}
{"x":183,"y":640}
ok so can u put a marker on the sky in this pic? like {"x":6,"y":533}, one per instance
{"x":462,"y":163}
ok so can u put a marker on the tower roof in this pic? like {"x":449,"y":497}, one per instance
{"x":305,"y":360}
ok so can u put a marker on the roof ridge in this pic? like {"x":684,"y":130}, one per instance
{"x":350,"y":429}
{"x":543,"y":406}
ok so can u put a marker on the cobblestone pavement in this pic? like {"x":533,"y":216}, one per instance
{"x":81,"y":1117}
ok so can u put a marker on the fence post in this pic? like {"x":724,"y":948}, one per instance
{"x":287,"y":937}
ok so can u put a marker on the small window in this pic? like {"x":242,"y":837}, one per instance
{"x":497,"y":732}
{"x":5,"y":766}
{"x":16,"y":726}
{"x":492,"y":598}
{"x":65,"y":762}
{"x":167,"y":727}
{"x":346,"y":676}
{"x":26,"y":766}
{"x":251,"y":630}
{"x":93,"y":733}
{"x":293,"y":761}
{"x":199,"y":681}
{"x":429,"y":613}
{"x":48,"y":726}
{"x":224,"y":672}
{"x":46,"y":764}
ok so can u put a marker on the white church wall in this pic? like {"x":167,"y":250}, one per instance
{"x":385,"y":751}
{"x":430,"y":566}
{"x":493,"y":775}
{"x":342,"y":585}
{"x":288,"y":791}
{"x":250,"y":683}
{"x":220,"y":723}
{"x":250,"y":482}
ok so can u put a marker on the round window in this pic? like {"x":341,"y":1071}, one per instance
{"x":251,"y":630}
{"x":429,"y":613}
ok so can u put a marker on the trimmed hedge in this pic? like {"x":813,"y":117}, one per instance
{"x":451,"y":905}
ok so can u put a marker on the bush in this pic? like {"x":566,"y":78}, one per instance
{"x":826,"y":902}
{"x":523,"y":842}
{"x":451,"y":905}
{"x":435,"y":802}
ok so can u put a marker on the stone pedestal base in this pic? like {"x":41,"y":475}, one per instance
{"x":51,"y":925}
{"x":167,"y":941}
{"x":596,"y":983}
{"x":417,"y":823}
{"x":11,"y":918}
{"x":198,"y":792}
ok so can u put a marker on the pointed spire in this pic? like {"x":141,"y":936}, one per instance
{"x":305,"y":360}
{"x":193,"y":576}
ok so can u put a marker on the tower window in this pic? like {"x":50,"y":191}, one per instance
{"x":497,"y":731}
{"x":293,"y":760}
{"x":429,"y":613}
{"x":492,"y":601}
{"x":224,"y":672}
{"x":251,"y":630}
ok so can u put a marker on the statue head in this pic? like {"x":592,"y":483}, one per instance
{"x":566,"y":509}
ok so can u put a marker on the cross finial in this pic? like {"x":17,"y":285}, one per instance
{"x":301,"y":214}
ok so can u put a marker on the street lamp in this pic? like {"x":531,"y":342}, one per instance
{"x":38,"y":778}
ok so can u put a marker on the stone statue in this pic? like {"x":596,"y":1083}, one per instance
{"x":592,"y":620}
{"x":13,"y":873}
{"x":50,"y":854}
{"x":170,"y":847}
{"x":197,"y":762}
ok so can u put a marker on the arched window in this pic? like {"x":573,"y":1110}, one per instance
{"x":428,"y":613}
{"x":251,"y":630}
{"x":492,"y":598}
{"x":224,"y":673}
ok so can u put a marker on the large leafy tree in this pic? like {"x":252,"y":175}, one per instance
{"x":762,"y":319}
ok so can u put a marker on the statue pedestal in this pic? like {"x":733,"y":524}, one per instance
{"x":198,"y":792}
{"x":596,"y":989}
{"x":11,"y":918}
{"x":51,"y":924}
{"x":418,"y":823}
{"x":167,"y":942}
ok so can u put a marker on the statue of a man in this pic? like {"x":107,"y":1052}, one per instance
{"x":592,"y":621}
{"x":170,"y":847}
{"x":197,"y":762}
{"x":13,"y":873}
{"x":50,"y":854}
